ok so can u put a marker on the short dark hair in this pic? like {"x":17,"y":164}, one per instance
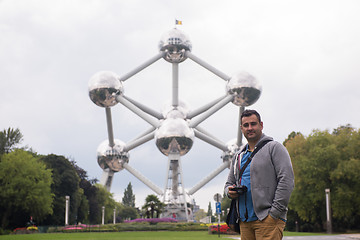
{"x":248,"y":113}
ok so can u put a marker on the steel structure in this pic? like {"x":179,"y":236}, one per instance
{"x":174,"y":129}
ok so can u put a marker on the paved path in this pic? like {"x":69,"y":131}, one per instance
{"x":322,"y":237}
{"x":326,"y":237}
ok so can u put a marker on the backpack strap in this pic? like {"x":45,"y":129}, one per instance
{"x":257,"y":148}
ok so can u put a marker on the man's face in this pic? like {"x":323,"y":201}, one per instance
{"x":251,"y":128}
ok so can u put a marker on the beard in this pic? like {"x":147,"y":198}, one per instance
{"x":252,"y":136}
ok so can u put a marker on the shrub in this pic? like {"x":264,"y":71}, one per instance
{"x":134,"y":225}
{"x":151,"y":220}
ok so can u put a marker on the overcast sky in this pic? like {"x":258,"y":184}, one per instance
{"x":305,"y":54}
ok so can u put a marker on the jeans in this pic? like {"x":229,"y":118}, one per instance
{"x":267,"y":229}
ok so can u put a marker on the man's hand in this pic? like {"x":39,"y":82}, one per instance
{"x":232,"y":194}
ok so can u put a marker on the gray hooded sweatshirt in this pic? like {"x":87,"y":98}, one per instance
{"x":271,"y":177}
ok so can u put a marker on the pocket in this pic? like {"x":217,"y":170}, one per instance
{"x":273,"y":227}
{"x":275,"y":219}
{"x":269,"y":219}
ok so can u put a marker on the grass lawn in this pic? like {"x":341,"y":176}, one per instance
{"x":165,"y":235}
{"x":302,"y":234}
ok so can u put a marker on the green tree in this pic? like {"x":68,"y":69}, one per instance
{"x":153,"y":205}
{"x":129,"y":197}
{"x":291,"y":136}
{"x":9,"y":138}
{"x":25,"y":189}
{"x":84,"y":208}
{"x":200,"y":214}
{"x":345,"y":189}
{"x":126,"y":212}
{"x":209,"y":211}
{"x":66,"y":183}
{"x":225,"y":206}
{"x":89,"y":210}
{"x":105,"y":199}
{"x":326,"y":160}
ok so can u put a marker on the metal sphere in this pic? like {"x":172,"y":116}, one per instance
{"x":174,"y":136}
{"x":175,"y":43}
{"x":169,"y":111}
{"x":104,"y":86}
{"x":230,"y":153}
{"x":245,"y":89}
{"x":112,"y":157}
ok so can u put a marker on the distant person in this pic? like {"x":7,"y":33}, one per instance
{"x":268,"y":181}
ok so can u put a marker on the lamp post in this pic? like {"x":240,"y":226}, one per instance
{"x":103,"y":215}
{"x":114,"y":218}
{"x":67,"y":204}
{"x":328,"y":211}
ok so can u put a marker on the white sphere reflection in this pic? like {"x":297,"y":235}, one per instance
{"x":112,"y":157}
{"x":230,"y":153}
{"x":175,"y":43}
{"x":245,"y":89}
{"x":169,"y":111}
{"x":174,"y":136}
{"x":104,"y":86}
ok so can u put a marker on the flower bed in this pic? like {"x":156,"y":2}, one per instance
{"x":78,"y":227}
{"x":26,"y":230}
{"x":224,"y":229}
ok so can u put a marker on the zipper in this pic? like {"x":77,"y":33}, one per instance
{"x":237,"y":211}
{"x":246,"y":210}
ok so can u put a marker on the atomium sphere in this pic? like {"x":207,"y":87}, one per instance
{"x":174,"y":136}
{"x":112,"y":157}
{"x":169,"y":111}
{"x":104,"y":86}
{"x":245,"y":89}
{"x":175,"y":43}
{"x":230,"y":153}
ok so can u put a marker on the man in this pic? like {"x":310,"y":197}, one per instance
{"x":269,"y":179}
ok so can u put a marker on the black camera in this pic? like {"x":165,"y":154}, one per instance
{"x":240,"y":189}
